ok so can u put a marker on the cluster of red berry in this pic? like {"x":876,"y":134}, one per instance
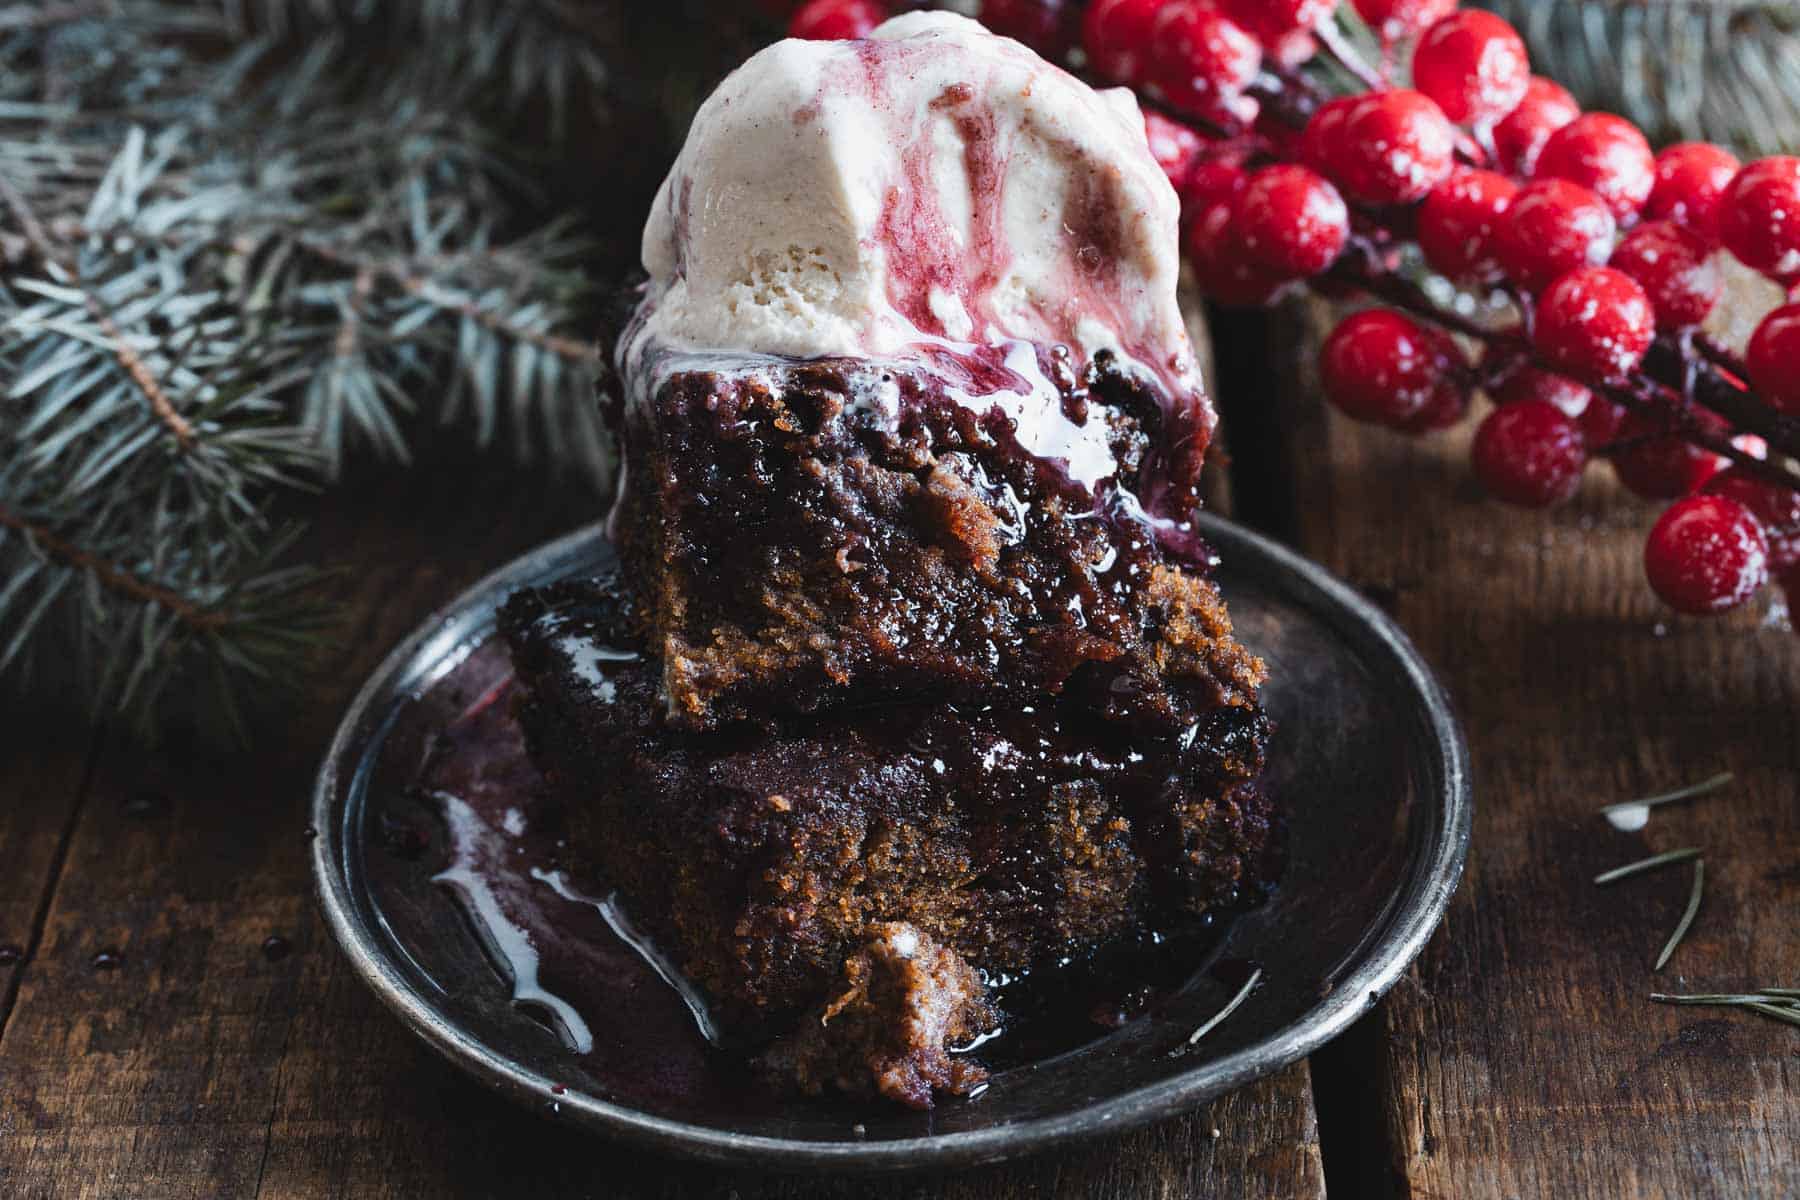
{"x":1608,"y":252}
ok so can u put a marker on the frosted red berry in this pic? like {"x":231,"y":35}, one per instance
{"x":1530,"y":454}
{"x":1775,"y":507}
{"x":1773,"y":358}
{"x":1116,"y":35}
{"x":1293,"y":223}
{"x":1553,"y":227}
{"x":1676,"y":269}
{"x":1173,"y":145}
{"x":1691,"y":178}
{"x":1223,"y":270}
{"x":1474,"y":65}
{"x":1051,"y":27}
{"x":1600,"y":421}
{"x":1455,"y":226}
{"x":1527,"y":384}
{"x":1395,"y":19}
{"x":1200,"y":59}
{"x":1608,"y":155}
{"x":1447,"y":406}
{"x":1382,"y":366}
{"x":1707,"y":554}
{"x":1759,"y":217}
{"x":1520,"y":135}
{"x":1381,"y":148}
{"x":836,"y":20}
{"x":1272,"y":20}
{"x":1657,"y":463}
{"x":1595,"y":324}
{"x":1210,"y":184}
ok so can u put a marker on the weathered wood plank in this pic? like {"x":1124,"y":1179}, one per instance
{"x":1521,"y":1056}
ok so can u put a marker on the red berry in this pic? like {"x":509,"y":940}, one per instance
{"x":1455,"y":226}
{"x":1211,"y":184}
{"x":1529,"y":454}
{"x":837,"y":20}
{"x":1381,"y":147}
{"x":1272,"y":20}
{"x":1691,"y":179}
{"x":1607,"y":155}
{"x":1527,"y":384}
{"x":1759,"y":217}
{"x":1446,"y":406}
{"x":1775,"y":507}
{"x":1173,"y":146}
{"x":1200,"y":59}
{"x":1594,"y":323}
{"x":1675,"y":268}
{"x":1293,"y":223}
{"x":1116,"y":35}
{"x":1520,"y":136}
{"x":1474,"y":65}
{"x":1551,"y":228}
{"x":1051,"y":27}
{"x":1293,"y":50}
{"x":1395,"y":19}
{"x":1385,"y":367}
{"x":1658,"y":463}
{"x":1773,"y":357}
{"x":1225,"y":273}
{"x":1706,"y":554}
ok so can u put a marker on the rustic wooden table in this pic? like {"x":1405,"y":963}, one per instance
{"x":1518,"y":1058}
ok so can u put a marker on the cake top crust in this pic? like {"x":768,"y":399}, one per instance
{"x":932,"y":189}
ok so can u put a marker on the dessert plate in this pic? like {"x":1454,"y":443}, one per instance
{"x":1368,"y":762}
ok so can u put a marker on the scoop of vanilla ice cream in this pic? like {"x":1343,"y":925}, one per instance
{"x":934,"y":183}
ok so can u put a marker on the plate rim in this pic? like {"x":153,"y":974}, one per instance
{"x":1430,"y":881}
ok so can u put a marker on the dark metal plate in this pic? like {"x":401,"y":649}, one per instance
{"x":1368,"y":763}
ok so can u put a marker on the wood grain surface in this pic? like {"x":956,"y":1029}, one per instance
{"x":1519,"y":1059}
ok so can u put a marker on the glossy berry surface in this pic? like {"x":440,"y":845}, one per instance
{"x":1530,"y":454}
{"x":1676,"y":269}
{"x":837,"y":20}
{"x":1051,"y":27}
{"x":1209,"y":185}
{"x":1759,"y":217}
{"x":1382,"y":366}
{"x":1394,"y":19}
{"x":1173,"y":146}
{"x":1707,"y":554}
{"x":1773,"y":357}
{"x":1691,"y":178}
{"x":1524,"y":384}
{"x":1551,"y":228}
{"x":1474,"y":65}
{"x":1595,"y":324}
{"x":1222,"y":268}
{"x":1455,"y":226}
{"x":1775,"y":507}
{"x":1519,"y":136}
{"x":1292,"y":221}
{"x":1116,"y":35}
{"x":1200,"y":59}
{"x":1273,"y":20}
{"x":1381,"y":148}
{"x":1659,"y":464}
{"x":1608,"y":155}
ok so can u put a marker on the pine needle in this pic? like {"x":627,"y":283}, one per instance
{"x":1692,"y":791}
{"x":1781,"y":1004}
{"x":1652,"y":863}
{"x":1218,"y":1018}
{"x":1687,"y":917}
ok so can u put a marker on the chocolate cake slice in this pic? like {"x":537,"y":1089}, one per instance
{"x":773,"y":863}
{"x":808,"y":534}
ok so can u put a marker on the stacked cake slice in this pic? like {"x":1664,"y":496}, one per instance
{"x":913,"y":673}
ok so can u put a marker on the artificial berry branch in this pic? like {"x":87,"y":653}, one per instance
{"x":1494,"y":179}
